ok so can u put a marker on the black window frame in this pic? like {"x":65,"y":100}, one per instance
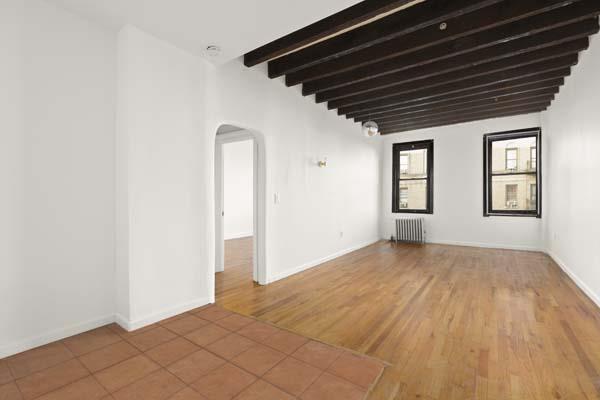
{"x":488,"y":140}
{"x":397,"y":148}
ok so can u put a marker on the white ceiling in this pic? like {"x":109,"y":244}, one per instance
{"x":237,"y":26}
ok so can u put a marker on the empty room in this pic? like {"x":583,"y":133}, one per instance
{"x":313,"y":200}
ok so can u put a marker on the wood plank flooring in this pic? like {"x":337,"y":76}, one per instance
{"x":454,"y":322}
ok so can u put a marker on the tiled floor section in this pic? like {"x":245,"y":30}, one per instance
{"x":205,"y":354}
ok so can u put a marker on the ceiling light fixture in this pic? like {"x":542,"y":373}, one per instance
{"x":370,"y":128}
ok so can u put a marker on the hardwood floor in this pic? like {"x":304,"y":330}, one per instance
{"x":454,"y":322}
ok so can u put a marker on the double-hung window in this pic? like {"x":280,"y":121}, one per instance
{"x":413,"y":177}
{"x":512,"y":178}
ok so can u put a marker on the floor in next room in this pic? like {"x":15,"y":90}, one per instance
{"x":454,"y":322}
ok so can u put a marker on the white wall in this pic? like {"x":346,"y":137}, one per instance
{"x":57,"y":107}
{"x":572,"y":128}
{"x":458,"y":188}
{"x":238,"y":163}
{"x":322,"y":212}
{"x":161,"y":263}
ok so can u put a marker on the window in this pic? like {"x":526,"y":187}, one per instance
{"x":511,"y":187}
{"x":413,"y":177}
{"x":404,"y":160}
{"x":511,"y":196}
{"x":404,"y":197}
{"x":533,"y":195}
{"x":512,"y":159}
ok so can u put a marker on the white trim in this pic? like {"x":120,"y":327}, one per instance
{"x":53,"y":336}
{"x":486,"y":245}
{"x":319,"y":261}
{"x":578,"y":281}
{"x":160,"y":315}
{"x":239,"y":235}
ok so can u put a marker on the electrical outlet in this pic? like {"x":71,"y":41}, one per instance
{"x":341,"y":234}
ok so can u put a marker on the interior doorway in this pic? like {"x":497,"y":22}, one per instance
{"x":239,"y":207}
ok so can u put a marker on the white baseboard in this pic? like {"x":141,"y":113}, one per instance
{"x":322,"y":260}
{"x":239,"y":235}
{"x":578,"y":281}
{"x":54,"y":335}
{"x":486,"y":245}
{"x":159,"y":315}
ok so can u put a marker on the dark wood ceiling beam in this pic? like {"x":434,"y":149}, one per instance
{"x":491,"y":25}
{"x":475,"y":110}
{"x":347,"y":18}
{"x":469,"y":52}
{"x":524,"y":99}
{"x":448,"y":123}
{"x":457,"y":104}
{"x":457,"y":85}
{"x":392,"y":26}
{"x":458,"y":91}
{"x":415,"y":77}
{"x":498,"y":93}
{"x":461,"y":119}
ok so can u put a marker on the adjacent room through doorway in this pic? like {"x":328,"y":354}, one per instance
{"x":236,"y":208}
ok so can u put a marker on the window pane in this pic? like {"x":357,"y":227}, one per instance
{"x":413,"y":164}
{"x":514,"y":193}
{"x":514,"y":155}
{"x":413,"y":195}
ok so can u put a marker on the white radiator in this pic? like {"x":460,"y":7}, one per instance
{"x":410,"y":230}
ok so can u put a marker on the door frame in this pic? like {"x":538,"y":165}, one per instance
{"x":259,"y":273}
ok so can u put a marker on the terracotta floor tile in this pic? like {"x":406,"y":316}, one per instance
{"x":329,"y":387}
{"x":292,"y":375}
{"x":258,"y":359}
{"x":207,"y":335}
{"x":196,"y":365}
{"x":37,"y":359}
{"x":91,"y":340}
{"x":50,"y":379}
{"x":212,"y":313}
{"x":5,"y":374}
{"x":126,"y":372}
{"x":168,"y":353}
{"x":187,"y":394}
{"x":224,"y":382}
{"x":286,"y":342}
{"x":10,"y":391}
{"x":185,"y":324}
{"x":108,"y":356}
{"x":173,"y":318}
{"x":158,"y":385}
{"x":317,"y":354}
{"x":258,"y":331}
{"x":125,"y":334}
{"x":152,"y":338}
{"x":86,"y":388}
{"x":262,"y":390}
{"x":230,"y":346}
{"x":234,"y":322}
{"x":359,"y":370}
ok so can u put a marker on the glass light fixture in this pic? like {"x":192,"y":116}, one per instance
{"x":370,"y":128}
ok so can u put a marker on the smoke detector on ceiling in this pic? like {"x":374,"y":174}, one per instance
{"x":213,"y":51}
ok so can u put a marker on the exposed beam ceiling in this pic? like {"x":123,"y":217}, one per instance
{"x":440,"y":61}
{"x":327,"y":27}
